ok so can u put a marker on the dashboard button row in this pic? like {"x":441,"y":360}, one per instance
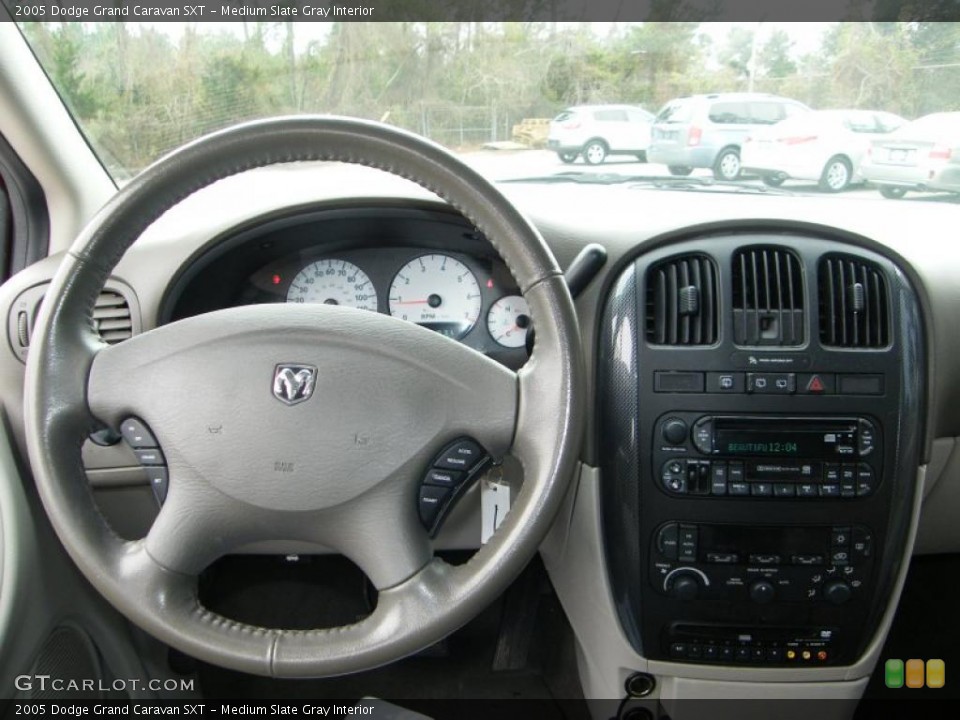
{"x":767,"y":383}
{"x":718,"y":478}
{"x":753,"y":654}
{"x":759,"y":559}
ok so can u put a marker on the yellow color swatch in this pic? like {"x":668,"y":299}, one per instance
{"x":936,"y":673}
{"x":914,"y":673}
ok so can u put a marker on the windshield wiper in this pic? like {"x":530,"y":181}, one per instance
{"x":660,"y":182}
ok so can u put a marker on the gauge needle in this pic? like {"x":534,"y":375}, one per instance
{"x":412,"y":302}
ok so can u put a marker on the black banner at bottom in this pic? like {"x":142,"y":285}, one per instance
{"x":501,"y":709}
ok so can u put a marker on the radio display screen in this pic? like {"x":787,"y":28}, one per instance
{"x":783,"y":442}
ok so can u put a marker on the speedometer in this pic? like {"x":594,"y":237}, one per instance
{"x":333,"y":282}
{"x":438,"y":292}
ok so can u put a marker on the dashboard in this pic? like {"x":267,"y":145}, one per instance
{"x":691,"y":444}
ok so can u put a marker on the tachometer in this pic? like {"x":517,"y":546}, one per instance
{"x":334,"y":282}
{"x":508,"y":321}
{"x":438,"y":292}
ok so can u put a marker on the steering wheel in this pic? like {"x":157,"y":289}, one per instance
{"x":406,"y":390}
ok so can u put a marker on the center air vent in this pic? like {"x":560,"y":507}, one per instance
{"x":682,"y":301}
{"x":111,"y":315}
{"x":767,"y":297}
{"x":853,"y":303}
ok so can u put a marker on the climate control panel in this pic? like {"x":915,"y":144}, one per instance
{"x":761,"y":564}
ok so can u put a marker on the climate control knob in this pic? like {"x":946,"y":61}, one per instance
{"x":685,"y":586}
{"x":837,"y":592}
{"x":674,"y":431}
{"x":762,"y":591}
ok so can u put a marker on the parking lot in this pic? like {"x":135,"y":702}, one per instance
{"x":509,"y":164}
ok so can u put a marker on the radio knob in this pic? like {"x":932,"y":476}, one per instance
{"x":762,"y":591}
{"x":685,"y":587}
{"x":674,"y":431}
{"x":837,"y":592}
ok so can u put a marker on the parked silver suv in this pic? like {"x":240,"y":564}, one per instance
{"x":706,"y":131}
{"x":596,"y":131}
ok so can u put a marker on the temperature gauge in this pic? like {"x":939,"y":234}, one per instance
{"x":508,"y":321}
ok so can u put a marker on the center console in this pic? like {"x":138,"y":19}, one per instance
{"x":759,"y":428}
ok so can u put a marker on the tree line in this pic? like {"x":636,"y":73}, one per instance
{"x":139,"y":91}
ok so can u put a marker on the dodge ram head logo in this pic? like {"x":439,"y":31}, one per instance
{"x":293,"y":384}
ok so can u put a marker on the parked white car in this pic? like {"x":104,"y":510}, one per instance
{"x":923,"y":155}
{"x":598,"y":131}
{"x":825,"y":146}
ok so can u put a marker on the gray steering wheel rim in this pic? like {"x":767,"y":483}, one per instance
{"x":418,"y":611}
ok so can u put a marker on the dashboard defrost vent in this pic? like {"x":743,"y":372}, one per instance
{"x":111,"y":315}
{"x":767,"y":297}
{"x":853,"y":303}
{"x":682,"y":301}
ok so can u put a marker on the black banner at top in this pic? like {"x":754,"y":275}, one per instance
{"x":480,"y":10}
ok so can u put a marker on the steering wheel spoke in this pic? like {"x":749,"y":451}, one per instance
{"x":197,"y":525}
{"x":380,"y":532}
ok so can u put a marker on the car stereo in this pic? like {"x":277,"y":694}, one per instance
{"x":767,"y":456}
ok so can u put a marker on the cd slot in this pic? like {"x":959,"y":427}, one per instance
{"x":784,"y":470}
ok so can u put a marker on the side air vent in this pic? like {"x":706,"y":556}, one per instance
{"x":116,"y":316}
{"x":767,"y":297}
{"x":853,"y":303}
{"x":682,"y":301}
{"x":111,"y":315}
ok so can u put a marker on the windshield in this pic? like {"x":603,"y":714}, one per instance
{"x":504,"y":96}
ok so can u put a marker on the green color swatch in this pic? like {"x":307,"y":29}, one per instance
{"x":893,"y":673}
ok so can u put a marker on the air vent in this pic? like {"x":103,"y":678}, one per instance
{"x":767,"y":297}
{"x":111,"y":316}
{"x":853,"y":303}
{"x":682,"y":301}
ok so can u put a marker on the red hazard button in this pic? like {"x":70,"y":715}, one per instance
{"x":817,"y":383}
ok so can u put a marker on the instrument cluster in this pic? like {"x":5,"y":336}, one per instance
{"x":467,"y":298}
{"x":419,"y":263}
